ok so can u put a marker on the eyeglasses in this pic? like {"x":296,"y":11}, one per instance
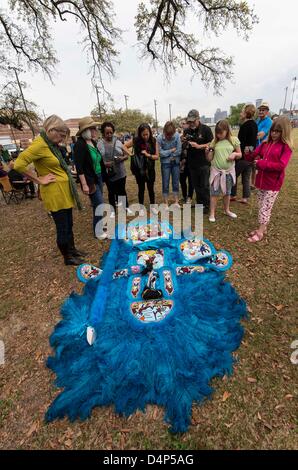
{"x":62,"y":133}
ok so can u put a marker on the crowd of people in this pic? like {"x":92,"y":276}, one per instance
{"x":195,"y":159}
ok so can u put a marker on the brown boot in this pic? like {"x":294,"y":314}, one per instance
{"x":69,"y":258}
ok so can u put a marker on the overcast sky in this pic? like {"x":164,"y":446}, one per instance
{"x":264,"y":66}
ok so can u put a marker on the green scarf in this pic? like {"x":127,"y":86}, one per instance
{"x":55,"y":150}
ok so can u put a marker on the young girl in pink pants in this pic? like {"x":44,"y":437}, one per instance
{"x":271,"y":159}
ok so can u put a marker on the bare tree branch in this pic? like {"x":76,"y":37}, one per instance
{"x":162,"y":34}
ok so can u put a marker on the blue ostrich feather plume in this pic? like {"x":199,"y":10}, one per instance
{"x":132,"y":363}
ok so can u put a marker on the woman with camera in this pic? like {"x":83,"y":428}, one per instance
{"x":145,"y":153}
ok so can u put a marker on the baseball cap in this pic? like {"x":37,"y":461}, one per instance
{"x":193,"y":115}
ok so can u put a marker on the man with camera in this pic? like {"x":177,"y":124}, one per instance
{"x":195,"y":140}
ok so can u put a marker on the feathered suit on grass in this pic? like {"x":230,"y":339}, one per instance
{"x":133,"y":363}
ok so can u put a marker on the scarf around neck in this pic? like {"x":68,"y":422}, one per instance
{"x":55,"y":150}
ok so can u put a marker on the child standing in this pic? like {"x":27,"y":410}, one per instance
{"x":271,"y":159}
{"x":222,"y":153}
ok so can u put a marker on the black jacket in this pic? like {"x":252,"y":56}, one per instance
{"x":248,"y":135}
{"x":201,"y":135}
{"x":84,"y":164}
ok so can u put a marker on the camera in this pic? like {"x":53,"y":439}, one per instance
{"x":189,"y":136}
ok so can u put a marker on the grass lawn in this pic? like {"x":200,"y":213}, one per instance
{"x":256,"y":408}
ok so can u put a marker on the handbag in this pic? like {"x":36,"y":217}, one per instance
{"x":137,"y":165}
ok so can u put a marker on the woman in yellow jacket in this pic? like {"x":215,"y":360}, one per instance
{"x":57,"y":187}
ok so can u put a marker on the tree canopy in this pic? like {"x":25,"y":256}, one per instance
{"x":124,"y":120}
{"x":235,"y":111}
{"x":161,"y":25}
{"x":12,"y":109}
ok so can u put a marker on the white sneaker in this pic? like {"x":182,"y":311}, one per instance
{"x":141,"y":213}
{"x":112,"y":216}
{"x":231,"y":214}
{"x":212,"y":219}
{"x":129,"y":212}
{"x":154,"y":211}
{"x":118,"y":204}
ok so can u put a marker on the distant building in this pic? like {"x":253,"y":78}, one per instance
{"x":73,"y":125}
{"x":206,"y":120}
{"x":10,"y":134}
{"x":220,"y":115}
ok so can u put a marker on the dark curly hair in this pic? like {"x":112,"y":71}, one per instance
{"x":105,"y":125}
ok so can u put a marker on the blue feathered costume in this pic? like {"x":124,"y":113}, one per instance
{"x":165,"y":322}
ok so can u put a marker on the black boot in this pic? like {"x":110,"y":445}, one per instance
{"x":69,"y":258}
{"x":73,"y":249}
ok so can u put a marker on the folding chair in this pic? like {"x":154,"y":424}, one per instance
{"x":9,"y":193}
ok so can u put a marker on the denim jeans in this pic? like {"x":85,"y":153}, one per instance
{"x":96,"y":200}
{"x":168,"y":169}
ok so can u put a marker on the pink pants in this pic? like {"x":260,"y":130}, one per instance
{"x":266,"y":200}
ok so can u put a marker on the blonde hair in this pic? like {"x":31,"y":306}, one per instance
{"x":55,"y":122}
{"x":249,"y":110}
{"x":169,"y":128}
{"x":283,"y":124}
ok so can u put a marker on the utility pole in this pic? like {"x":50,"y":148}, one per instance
{"x":24,"y":102}
{"x":294,"y":89}
{"x":284,"y":108}
{"x":170,"y":109}
{"x":126,"y":99}
{"x":98,"y":102}
{"x":156,"y":121}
